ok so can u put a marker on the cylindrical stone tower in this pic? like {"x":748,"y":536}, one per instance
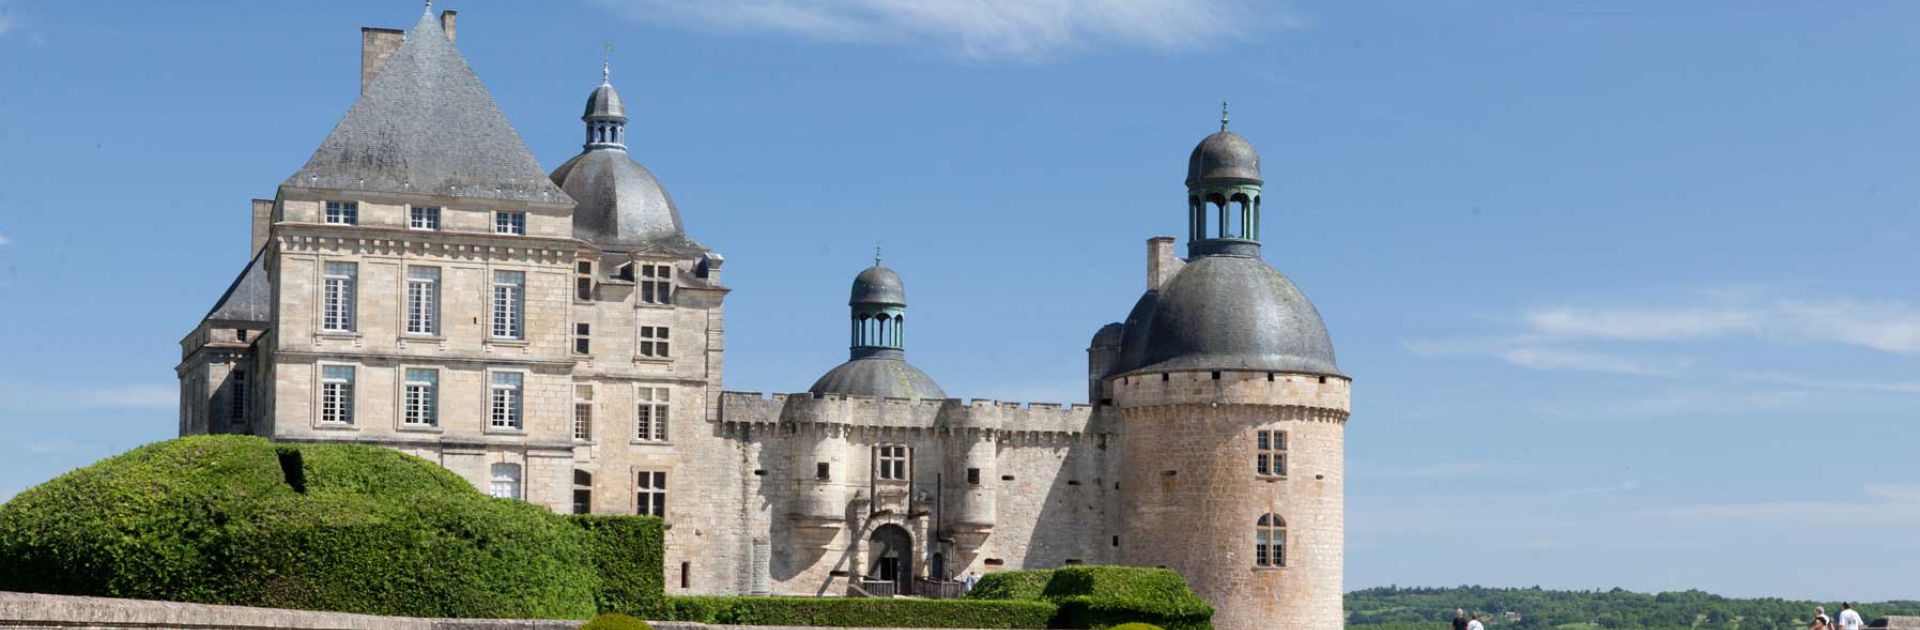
{"x":1233,"y":416}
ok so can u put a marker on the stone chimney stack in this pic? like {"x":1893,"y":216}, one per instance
{"x":376,"y":46}
{"x":1161,"y":263}
{"x":262,"y":223}
{"x":446,"y":22}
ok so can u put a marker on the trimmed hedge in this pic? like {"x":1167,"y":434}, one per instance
{"x":627,"y":554}
{"x":860,"y":612}
{"x":616,"y":621}
{"x":1104,"y":597}
{"x":340,"y":527}
{"x":1025,"y":585}
{"x":1136,"y":626}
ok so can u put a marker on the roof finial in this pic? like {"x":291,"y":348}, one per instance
{"x":876,"y":254}
{"x":606,"y":63}
{"x":1223,"y":115}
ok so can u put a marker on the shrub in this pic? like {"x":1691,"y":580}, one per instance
{"x":860,"y":612}
{"x":1135,"y":626}
{"x":615,"y":621}
{"x":627,"y":554}
{"x":341,"y":527}
{"x":1020,"y":585}
{"x":1104,"y":597}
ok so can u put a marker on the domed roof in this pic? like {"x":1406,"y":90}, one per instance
{"x":621,"y":205}
{"x":884,"y":374}
{"x":604,"y":104}
{"x":878,"y":285}
{"x":1109,"y":336}
{"x":1223,"y":155}
{"x":1235,"y":313}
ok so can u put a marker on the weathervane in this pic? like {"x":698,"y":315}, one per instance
{"x":1223,"y":115}
{"x":876,"y":254}
{"x":606,"y":61}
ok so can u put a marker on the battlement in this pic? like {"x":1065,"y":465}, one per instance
{"x":1233,"y":387}
{"x":870,"y":411}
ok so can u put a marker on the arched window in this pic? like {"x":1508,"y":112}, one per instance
{"x":1270,"y":542}
{"x":506,"y":481}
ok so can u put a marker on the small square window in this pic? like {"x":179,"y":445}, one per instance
{"x":823,"y":471}
{"x":653,"y":341}
{"x":343,"y":213}
{"x":973,"y":476}
{"x":424,"y":218}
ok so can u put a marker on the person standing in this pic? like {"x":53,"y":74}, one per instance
{"x":1474,"y":624}
{"x":971,"y":577}
{"x":1850,"y":620}
{"x":1820,"y":620}
{"x":1459,"y":619}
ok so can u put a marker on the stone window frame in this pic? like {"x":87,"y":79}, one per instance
{"x":339,"y":315}
{"x":405,"y":401}
{"x":582,"y":423}
{"x":510,"y":223}
{"x":582,"y":483}
{"x":507,"y":322}
{"x":423,"y":218}
{"x":432,"y":291}
{"x":1270,"y":542}
{"x":892,"y":462}
{"x":340,"y":213}
{"x":583,"y":338}
{"x":655,"y":283}
{"x":650,"y":492}
{"x":583,"y":281}
{"x":237,"y":395}
{"x":652,"y":413}
{"x":1270,"y":453}
{"x":516,"y":419}
{"x":655,"y":342}
{"x":516,"y":487}
{"x":322,"y":380}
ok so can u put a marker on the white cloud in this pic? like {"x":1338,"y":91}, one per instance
{"x":22,"y":396}
{"x":1523,"y":352}
{"x":1885,"y":326}
{"x":6,"y":23}
{"x":1884,"y":505}
{"x":980,"y":29}
{"x":5,"y":241}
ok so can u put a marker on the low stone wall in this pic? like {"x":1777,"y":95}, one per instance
{"x":33,"y":610}
{"x":1896,"y":623}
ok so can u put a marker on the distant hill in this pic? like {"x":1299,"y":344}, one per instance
{"x":1397,"y":608}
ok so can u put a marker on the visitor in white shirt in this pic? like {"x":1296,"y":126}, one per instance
{"x":1850,"y":620}
{"x":1475,"y":624}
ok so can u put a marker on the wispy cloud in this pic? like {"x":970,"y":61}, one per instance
{"x":24,"y":396}
{"x":1887,"y":326}
{"x":979,"y":29}
{"x":1525,"y":352}
{"x":1442,"y":470}
{"x":1883,"y":505}
{"x":6,"y":22}
{"x":4,"y":241}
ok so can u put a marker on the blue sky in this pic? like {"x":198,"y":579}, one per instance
{"x":1628,"y":289}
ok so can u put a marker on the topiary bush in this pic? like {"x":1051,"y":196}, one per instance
{"x":615,"y":621}
{"x":868,"y":612}
{"x":1019,"y":585}
{"x":627,"y":555}
{"x":1104,"y":597}
{"x":1136,"y":626}
{"x":340,"y":527}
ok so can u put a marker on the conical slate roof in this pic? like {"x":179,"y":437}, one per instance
{"x":427,"y":125}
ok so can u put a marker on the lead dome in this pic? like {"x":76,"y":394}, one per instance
{"x":621,"y":205}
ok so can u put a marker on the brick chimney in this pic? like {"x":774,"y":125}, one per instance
{"x":446,"y":22}
{"x":1161,"y":263}
{"x":376,"y":46}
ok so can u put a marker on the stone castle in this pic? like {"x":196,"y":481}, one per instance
{"x":555,"y":337}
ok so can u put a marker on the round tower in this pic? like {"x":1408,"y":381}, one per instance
{"x":1233,"y":417}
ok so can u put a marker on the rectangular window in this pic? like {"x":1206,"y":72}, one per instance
{"x":1271,"y":457}
{"x":424,"y":218}
{"x":685,"y":579}
{"x":336,"y":394}
{"x":651,"y":493}
{"x":583,"y":412}
{"x":973,"y":476}
{"x":237,"y":397}
{"x":823,"y":471}
{"x":422,"y":404}
{"x":891,"y":461}
{"x":650,"y":424}
{"x":509,"y":304}
{"x":582,"y":339}
{"x":506,"y":400}
{"x":510,"y":223}
{"x":656,"y":284}
{"x":583,"y":281}
{"x":582,"y":492}
{"x":343,"y":213}
{"x":338,"y":301}
{"x":506,"y":481}
{"x":423,"y":300}
{"x":653,"y":341}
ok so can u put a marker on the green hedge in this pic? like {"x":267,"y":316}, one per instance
{"x":616,"y":621}
{"x":341,"y":527}
{"x":627,"y":554}
{"x":860,"y":612}
{"x":1023,"y":585}
{"x":1136,"y":626}
{"x":1103,"y":597}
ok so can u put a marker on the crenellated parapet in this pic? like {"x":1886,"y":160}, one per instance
{"x":835,"y":412}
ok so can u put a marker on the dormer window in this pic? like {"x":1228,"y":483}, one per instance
{"x":514,"y":223}
{"x":343,"y":213}
{"x":656,"y":284}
